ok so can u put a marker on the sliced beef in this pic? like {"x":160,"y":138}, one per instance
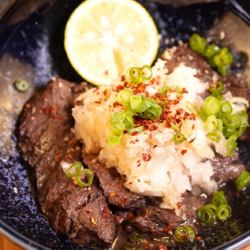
{"x":227,"y":168}
{"x":113,"y":185}
{"x":157,"y":220}
{"x":182,"y":54}
{"x":45,"y":140}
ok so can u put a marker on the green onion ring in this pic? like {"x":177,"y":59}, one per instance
{"x":243,"y":180}
{"x":219,"y":199}
{"x":85,"y":178}
{"x":21,"y":85}
{"x":146,"y":72}
{"x":223,"y":212}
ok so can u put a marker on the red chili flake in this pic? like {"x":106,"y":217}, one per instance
{"x":179,"y":111}
{"x":116,"y":104}
{"x":154,"y":146}
{"x":58,"y":157}
{"x":184,"y":151}
{"x":175,"y":102}
{"x":123,"y":78}
{"x":105,"y":92}
{"x":132,"y":142}
{"x":134,"y":133}
{"x":198,"y":237}
{"x":120,"y":87}
{"x":179,"y":205}
{"x":138,"y":165}
{"x":130,"y":216}
{"x":153,"y":127}
{"x":193,"y":117}
{"x":98,"y":102}
{"x":146,"y":157}
{"x":106,"y":213}
{"x":136,"y":140}
{"x":162,"y":247}
{"x":147,"y":245}
{"x":140,"y":89}
{"x":184,"y":91}
{"x":178,"y":121}
{"x":106,"y":72}
{"x":112,"y":194}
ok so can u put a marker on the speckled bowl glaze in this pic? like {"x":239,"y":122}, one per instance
{"x":31,"y":47}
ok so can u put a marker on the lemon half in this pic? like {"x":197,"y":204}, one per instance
{"x":103,"y":38}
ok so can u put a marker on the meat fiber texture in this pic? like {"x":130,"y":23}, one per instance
{"x":45,"y":140}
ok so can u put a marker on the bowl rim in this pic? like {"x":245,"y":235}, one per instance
{"x":19,"y":239}
{"x":29,"y":244}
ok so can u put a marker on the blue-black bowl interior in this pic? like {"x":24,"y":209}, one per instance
{"x":35,"y":40}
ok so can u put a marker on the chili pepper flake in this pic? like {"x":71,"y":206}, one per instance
{"x":146,"y":157}
{"x":184,"y":151}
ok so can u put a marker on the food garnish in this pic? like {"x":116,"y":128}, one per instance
{"x":220,"y":120}
{"x":219,"y":209}
{"x":243,"y":180}
{"x":138,"y":75}
{"x":21,"y":85}
{"x":80,"y":176}
{"x":219,"y":58}
{"x":103,"y":38}
{"x":185,"y":233}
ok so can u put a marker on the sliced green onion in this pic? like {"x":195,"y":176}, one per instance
{"x":243,"y":180}
{"x":206,"y":214}
{"x":115,"y":137}
{"x":134,"y":75}
{"x":179,"y":137}
{"x":214,"y":136}
{"x":123,"y":97}
{"x":217,"y":90}
{"x":226,"y":56}
{"x":74,"y":169}
{"x":219,"y":125}
{"x":211,"y":122}
{"x":85,"y":179}
{"x":136,"y":102}
{"x":123,"y":120}
{"x":21,"y":85}
{"x":223,"y":212}
{"x":146,"y":72}
{"x":185,"y":233}
{"x":223,"y":70}
{"x":219,"y":199}
{"x":153,"y":109}
{"x":211,"y":106}
{"x":231,"y":145}
{"x":226,"y":109}
{"x":197,"y":43}
{"x":211,"y":50}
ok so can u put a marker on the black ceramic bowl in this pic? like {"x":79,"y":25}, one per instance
{"x":31,"y":47}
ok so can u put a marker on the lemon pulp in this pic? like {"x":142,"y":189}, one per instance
{"x":103,"y":38}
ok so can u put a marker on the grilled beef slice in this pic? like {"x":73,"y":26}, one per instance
{"x":157,"y":220}
{"x":45,"y":140}
{"x":113,"y":185}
